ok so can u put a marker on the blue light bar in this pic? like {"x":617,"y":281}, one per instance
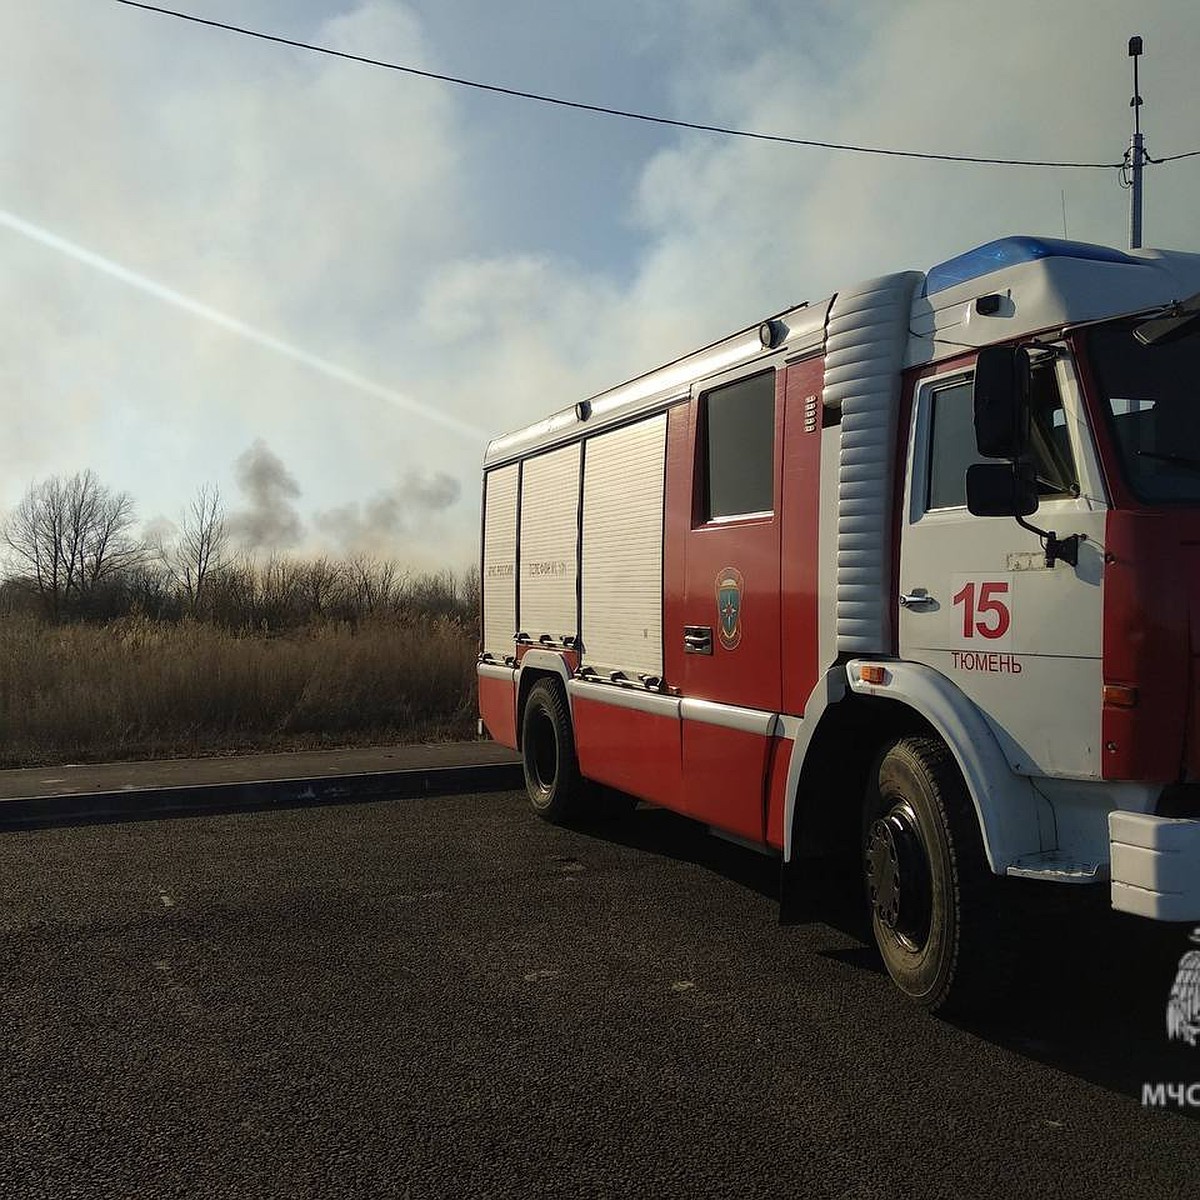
{"x":1008,"y":252}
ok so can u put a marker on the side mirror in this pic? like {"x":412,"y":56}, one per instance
{"x":1001,"y":489}
{"x":1002,"y":402}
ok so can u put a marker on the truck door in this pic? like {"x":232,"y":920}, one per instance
{"x":976,"y":599}
{"x":731,"y":606}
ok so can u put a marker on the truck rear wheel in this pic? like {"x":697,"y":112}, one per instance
{"x":556,"y":789}
{"x":929,"y":886}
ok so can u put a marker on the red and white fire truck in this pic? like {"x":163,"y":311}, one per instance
{"x":915,"y":569}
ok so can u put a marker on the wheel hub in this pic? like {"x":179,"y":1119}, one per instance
{"x":898,"y":875}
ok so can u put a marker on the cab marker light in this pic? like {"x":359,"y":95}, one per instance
{"x":1120,"y":695}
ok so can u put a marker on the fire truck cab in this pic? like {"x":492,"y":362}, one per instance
{"x":913,"y":571}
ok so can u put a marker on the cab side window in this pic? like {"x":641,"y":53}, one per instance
{"x":951,"y":445}
{"x":1050,"y":443}
{"x":952,"y":441}
{"x":737,"y":448}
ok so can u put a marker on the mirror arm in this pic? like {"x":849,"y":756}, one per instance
{"x":1064,"y":549}
{"x":1048,"y":350}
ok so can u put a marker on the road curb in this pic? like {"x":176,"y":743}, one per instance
{"x":79,"y":808}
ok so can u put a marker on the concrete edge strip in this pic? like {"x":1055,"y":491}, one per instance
{"x":78,"y":808}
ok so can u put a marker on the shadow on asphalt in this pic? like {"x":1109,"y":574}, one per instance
{"x":1091,"y":995}
{"x":669,"y":835}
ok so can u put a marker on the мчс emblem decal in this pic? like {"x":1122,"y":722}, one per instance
{"x":729,"y":606}
{"x":1183,"y":1009}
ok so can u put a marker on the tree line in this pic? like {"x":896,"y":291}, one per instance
{"x":73,"y":554}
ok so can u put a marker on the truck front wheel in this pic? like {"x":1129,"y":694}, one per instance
{"x":552,"y":779}
{"x":928,"y":883}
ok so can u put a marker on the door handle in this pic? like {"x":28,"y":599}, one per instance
{"x":697,"y":639}
{"x":917,"y":599}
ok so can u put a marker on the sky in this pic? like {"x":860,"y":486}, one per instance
{"x":321,"y":286}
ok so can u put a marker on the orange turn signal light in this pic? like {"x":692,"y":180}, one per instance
{"x":872,"y":674}
{"x":1119,"y":695}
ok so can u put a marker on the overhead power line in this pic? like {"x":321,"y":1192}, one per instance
{"x":628,"y":115}
{"x":1172,"y":157}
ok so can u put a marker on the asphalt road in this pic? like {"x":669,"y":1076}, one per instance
{"x":445,"y":997}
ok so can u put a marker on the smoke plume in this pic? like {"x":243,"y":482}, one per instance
{"x":269,"y":520}
{"x":379,"y":524}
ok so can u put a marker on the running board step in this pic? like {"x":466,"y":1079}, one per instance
{"x":1058,"y":867}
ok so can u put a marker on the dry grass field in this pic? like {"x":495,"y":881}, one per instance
{"x":140,"y":688}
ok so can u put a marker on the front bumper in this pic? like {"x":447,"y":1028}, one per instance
{"x":1155,"y":866}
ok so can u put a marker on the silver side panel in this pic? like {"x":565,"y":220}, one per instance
{"x":493,"y":671}
{"x":549,"y":543}
{"x":727,"y":716}
{"x":619,"y":697}
{"x":865,"y":346}
{"x":499,"y":561}
{"x":622,"y":548}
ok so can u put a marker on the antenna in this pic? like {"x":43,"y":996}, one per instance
{"x":1137,"y":152}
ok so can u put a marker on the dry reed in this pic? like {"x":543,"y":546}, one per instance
{"x":137,"y":688}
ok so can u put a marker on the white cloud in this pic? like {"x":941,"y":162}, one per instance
{"x":390,"y":225}
{"x":298,"y":194}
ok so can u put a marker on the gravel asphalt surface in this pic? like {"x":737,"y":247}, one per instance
{"x":446,"y":997}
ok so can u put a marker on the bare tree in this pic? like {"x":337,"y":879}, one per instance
{"x":374,"y":584}
{"x":324,"y":586}
{"x":470,"y":595}
{"x":102,"y":519}
{"x":200,"y":549}
{"x":280,"y":588}
{"x":232,"y":593}
{"x":72,"y":535}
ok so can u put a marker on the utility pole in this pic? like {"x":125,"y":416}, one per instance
{"x":1136,"y":153}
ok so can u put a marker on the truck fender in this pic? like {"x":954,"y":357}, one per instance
{"x":1006,"y":803}
{"x":831,"y":687}
{"x":535,"y":663}
{"x":544,"y":661}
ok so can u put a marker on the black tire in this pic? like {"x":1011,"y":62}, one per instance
{"x":934,"y":912}
{"x":557,"y":792}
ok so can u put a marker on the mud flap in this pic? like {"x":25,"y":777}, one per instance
{"x":796,"y":902}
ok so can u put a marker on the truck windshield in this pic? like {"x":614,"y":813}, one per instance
{"x":1151,"y":398}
